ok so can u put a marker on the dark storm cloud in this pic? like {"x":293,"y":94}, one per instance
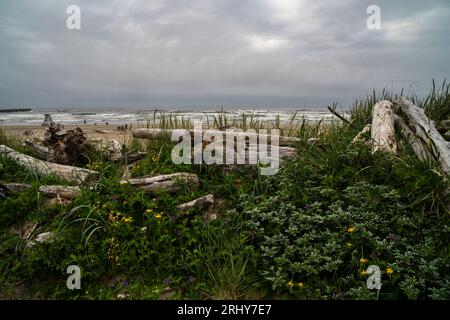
{"x":255,"y":52}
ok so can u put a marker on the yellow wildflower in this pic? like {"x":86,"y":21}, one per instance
{"x":351,"y":229}
{"x":149,"y":211}
{"x":363,"y":273}
{"x":300,"y":284}
{"x":291,"y":283}
{"x":363,"y":261}
{"x":349,"y":244}
{"x":127,"y":219}
{"x":389,"y":270}
{"x":158,"y":216}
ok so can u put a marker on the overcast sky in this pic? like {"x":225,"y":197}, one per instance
{"x":217,"y":52}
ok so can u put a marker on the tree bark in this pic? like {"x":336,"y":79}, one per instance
{"x":69,"y":173}
{"x":383,"y":128}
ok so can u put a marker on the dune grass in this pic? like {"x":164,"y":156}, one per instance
{"x":308,"y":232}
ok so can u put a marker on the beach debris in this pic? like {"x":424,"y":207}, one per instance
{"x":151,"y":133}
{"x":40,"y":150}
{"x":202,"y":202}
{"x":136,"y":156}
{"x":425,"y":129}
{"x":115,"y":150}
{"x":65,"y":192}
{"x":333,"y":111}
{"x":66,"y":147}
{"x":48,"y":121}
{"x":45,"y":168}
{"x":169,"y":182}
{"x":383,"y":127}
{"x":427,"y":142}
{"x":417,"y":144}
{"x":362,"y":136}
{"x":46,"y":237}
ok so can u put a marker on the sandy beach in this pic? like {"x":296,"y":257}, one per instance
{"x":94,"y":133}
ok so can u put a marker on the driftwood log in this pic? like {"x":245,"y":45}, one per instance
{"x":360,"y":137}
{"x":151,"y":133}
{"x":425,"y":129}
{"x":168,"y":182}
{"x":417,"y":144}
{"x":65,"y":192}
{"x":383,"y":127}
{"x":202,"y":202}
{"x":43,"y":152}
{"x":44,"y":168}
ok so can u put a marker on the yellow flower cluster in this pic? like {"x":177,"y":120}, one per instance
{"x":157,"y":215}
{"x":292,"y":284}
{"x":389,"y":270}
{"x":351,"y":229}
{"x":363,"y":261}
{"x":117,"y":217}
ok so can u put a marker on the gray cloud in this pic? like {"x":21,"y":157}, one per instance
{"x":229,"y":52}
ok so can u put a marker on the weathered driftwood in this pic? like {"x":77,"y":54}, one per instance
{"x":15,"y":187}
{"x":419,"y":148}
{"x":42,"y":151}
{"x":425,"y":129}
{"x":383,"y":128}
{"x":115,"y":150}
{"x":65,"y":192}
{"x":169,"y":182}
{"x":151,"y":133}
{"x":136,"y":156}
{"x":360,"y":137}
{"x":66,"y":147}
{"x":333,"y":111}
{"x":69,"y":173}
{"x":202,"y":202}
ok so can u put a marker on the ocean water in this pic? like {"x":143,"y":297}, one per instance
{"x":119,"y":117}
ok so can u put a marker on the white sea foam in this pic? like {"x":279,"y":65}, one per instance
{"x":75,"y":117}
